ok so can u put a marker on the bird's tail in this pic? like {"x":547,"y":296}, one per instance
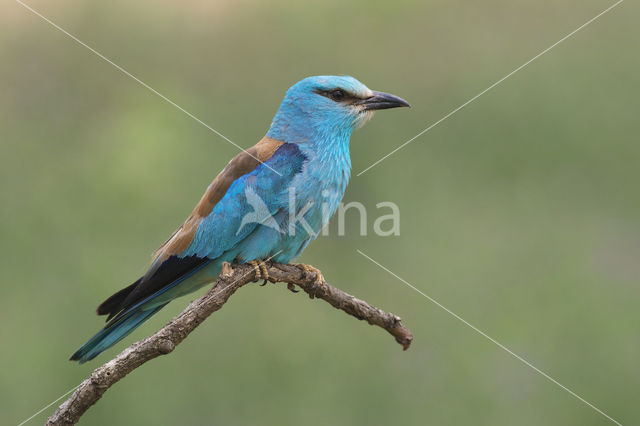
{"x":112,"y":333}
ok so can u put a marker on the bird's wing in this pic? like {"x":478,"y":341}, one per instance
{"x":216,"y":224}
{"x":251,"y":200}
{"x":241,"y":165}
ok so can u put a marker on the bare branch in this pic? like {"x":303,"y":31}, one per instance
{"x":168,"y":337}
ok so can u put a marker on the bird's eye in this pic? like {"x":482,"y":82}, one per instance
{"x":337,"y":94}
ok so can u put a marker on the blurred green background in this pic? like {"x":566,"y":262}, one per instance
{"x":520,"y":213}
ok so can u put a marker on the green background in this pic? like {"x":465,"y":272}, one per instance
{"x":520,"y":213}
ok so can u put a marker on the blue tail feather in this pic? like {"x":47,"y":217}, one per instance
{"x":113,"y":333}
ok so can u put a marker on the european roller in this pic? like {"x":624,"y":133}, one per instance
{"x":268,"y":203}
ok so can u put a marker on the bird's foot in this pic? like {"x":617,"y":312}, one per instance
{"x":261,"y":270}
{"x":227,"y":270}
{"x":318,"y":286}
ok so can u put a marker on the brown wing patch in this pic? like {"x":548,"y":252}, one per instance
{"x":240,"y":165}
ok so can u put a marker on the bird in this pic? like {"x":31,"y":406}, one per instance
{"x":267,"y":203}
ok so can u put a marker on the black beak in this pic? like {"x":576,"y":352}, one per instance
{"x":381,"y":100}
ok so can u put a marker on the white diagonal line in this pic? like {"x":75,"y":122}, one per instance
{"x":492,"y":86}
{"x":500,"y":345}
{"x":78,"y":385}
{"x":142,"y":83}
{"x":50,"y":404}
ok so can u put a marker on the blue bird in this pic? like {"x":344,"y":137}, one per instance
{"x":269,"y":202}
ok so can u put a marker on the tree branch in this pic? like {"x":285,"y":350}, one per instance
{"x":168,"y":337}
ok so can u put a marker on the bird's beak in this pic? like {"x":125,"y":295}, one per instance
{"x":381,"y":100}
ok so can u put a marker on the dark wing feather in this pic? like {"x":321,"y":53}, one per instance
{"x":113,"y":303}
{"x":170,"y":270}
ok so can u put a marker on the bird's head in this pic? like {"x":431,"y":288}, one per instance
{"x":327,"y":107}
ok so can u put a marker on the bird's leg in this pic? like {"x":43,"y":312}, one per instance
{"x":262,"y":272}
{"x":318,"y":283}
{"x":256,"y":268}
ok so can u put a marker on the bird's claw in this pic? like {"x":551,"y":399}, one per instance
{"x":318,"y":286}
{"x":292,"y":288}
{"x":227,"y":270}
{"x":261,"y":271}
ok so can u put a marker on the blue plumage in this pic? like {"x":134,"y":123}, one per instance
{"x":221,"y":231}
{"x":268,"y":203}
